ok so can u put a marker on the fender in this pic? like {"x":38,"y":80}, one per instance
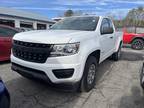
{"x":118,"y":43}
{"x":88,"y":54}
{"x":137,"y":37}
{"x":83,"y":64}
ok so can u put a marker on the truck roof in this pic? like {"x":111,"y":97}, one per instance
{"x":89,"y":16}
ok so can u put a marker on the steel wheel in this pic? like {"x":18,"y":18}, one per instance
{"x":138,"y":44}
{"x":91,"y":74}
{"x":89,"y":77}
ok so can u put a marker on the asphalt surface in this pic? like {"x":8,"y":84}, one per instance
{"x":117,"y":86}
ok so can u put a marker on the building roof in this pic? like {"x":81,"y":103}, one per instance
{"x":22,"y":14}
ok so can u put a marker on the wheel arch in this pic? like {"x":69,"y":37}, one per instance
{"x":120,"y":43}
{"x":137,"y":38}
{"x":96,"y":54}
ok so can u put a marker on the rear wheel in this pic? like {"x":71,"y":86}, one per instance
{"x":137,"y":44}
{"x":116,"y":56}
{"x":142,"y":77}
{"x":89,"y":76}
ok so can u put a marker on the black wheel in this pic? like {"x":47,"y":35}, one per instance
{"x":116,"y":56}
{"x":142,"y":77}
{"x":137,"y":44}
{"x":89,"y":76}
{"x":4,"y":102}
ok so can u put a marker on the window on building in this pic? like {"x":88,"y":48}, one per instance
{"x":26,"y":24}
{"x":41,"y":26}
{"x":7,"y":22}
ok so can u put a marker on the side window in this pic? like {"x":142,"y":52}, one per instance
{"x":106,"y":27}
{"x":111,"y":26}
{"x":7,"y":32}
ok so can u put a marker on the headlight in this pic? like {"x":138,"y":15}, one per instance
{"x":64,"y":49}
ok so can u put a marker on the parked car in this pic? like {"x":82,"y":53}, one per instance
{"x":69,"y":52}
{"x":142,"y":77}
{"x":22,"y":29}
{"x":136,"y":40}
{"x":4,"y":96}
{"x":6,"y":34}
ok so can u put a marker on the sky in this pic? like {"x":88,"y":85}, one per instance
{"x":55,"y":8}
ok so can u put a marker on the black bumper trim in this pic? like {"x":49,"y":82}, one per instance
{"x":36,"y":74}
{"x":28,"y":72}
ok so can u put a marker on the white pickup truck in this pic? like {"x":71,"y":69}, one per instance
{"x":69,"y":52}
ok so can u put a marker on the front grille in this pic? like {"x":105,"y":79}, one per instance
{"x":32,"y":52}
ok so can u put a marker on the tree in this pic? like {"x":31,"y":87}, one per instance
{"x":78,"y":13}
{"x":135,"y":17}
{"x":68,"y":13}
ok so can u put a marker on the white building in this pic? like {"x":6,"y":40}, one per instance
{"x":18,"y":18}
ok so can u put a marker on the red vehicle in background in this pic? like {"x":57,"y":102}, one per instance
{"x":136,"y":40}
{"x":6,"y":34}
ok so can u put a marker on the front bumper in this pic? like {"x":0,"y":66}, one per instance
{"x":53,"y":63}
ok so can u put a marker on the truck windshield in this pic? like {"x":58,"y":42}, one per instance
{"x":77,"y":23}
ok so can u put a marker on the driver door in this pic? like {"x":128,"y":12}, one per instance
{"x":106,"y":39}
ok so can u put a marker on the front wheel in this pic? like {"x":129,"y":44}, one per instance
{"x":89,"y":76}
{"x":137,"y":44}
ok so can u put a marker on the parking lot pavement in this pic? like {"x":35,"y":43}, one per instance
{"x":117,"y":86}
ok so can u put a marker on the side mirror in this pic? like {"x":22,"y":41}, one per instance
{"x":50,"y":26}
{"x":107,"y":30}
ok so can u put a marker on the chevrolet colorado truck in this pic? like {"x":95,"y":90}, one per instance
{"x":69,"y":52}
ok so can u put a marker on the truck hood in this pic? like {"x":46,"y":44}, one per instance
{"x":49,"y":36}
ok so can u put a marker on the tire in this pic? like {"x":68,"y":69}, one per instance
{"x":4,"y":103}
{"x":88,"y":80}
{"x":141,"y":77}
{"x":137,"y":44}
{"x":116,"y":56}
